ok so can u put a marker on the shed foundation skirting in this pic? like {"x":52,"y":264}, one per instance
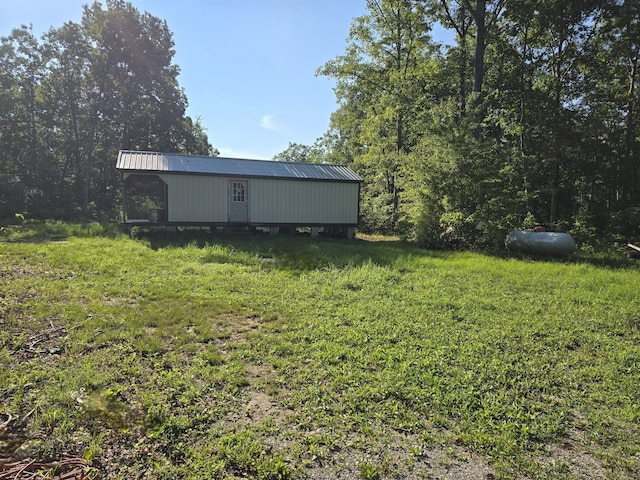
{"x":336,"y":230}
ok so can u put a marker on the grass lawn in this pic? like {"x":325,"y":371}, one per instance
{"x":198,"y":356}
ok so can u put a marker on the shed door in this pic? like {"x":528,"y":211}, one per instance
{"x":238,"y":201}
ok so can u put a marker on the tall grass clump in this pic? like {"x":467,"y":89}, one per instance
{"x":21,"y":229}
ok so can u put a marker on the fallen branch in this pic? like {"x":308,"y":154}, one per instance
{"x":66,"y":469}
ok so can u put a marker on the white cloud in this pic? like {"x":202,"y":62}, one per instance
{"x":269,"y":122}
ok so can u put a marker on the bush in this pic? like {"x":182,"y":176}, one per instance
{"x":428,"y":230}
{"x":584,"y":230}
{"x":626,"y":222}
{"x":376,"y":215}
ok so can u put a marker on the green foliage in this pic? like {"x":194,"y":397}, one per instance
{"x":584,"y":230}
{"x":194,"y":139}
{"x":529,"y":222}
{"x":368,"y":471}
{"x":58,"y":230}
{"x":514,"y":118}
{"x":428,"y":227}
{"x":376,"y":213}
{"x":242,"y":453}
{"x":380,"y":84}
{"x":185,"y":356}
{"x":626,"y":222}
{"x":295,"y":152}
{"x":71,"y":99}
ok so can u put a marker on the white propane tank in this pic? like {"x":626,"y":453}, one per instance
{"x":548,"y":243}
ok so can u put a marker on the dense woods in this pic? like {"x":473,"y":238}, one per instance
{"x":71,"y":99}
{"x":530,"y":116}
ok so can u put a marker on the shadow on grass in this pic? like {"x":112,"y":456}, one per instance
{"x":298,"y":250}
{"x":612,"y":259}
{"x":41,"y":231}
{"x":309,"y":253}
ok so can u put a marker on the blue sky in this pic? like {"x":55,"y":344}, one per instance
{"x":247,"y":66}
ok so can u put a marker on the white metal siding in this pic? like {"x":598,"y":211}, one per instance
{"x":303,"y":202}
{"x":195,"y":198}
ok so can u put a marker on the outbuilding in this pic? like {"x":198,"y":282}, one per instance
{"x":169,"y":189}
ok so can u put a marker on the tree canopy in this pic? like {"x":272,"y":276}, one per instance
{"x":71,"y":99}
{"x":529,"y":116}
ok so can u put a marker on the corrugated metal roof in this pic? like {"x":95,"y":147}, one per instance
{"x":179,"y":163}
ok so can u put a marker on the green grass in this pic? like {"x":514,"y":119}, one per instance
{"x":191,"y":356}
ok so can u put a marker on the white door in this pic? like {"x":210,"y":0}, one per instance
{"x":238,"y":201}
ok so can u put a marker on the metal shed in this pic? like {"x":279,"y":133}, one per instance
{"x":169,"y":189}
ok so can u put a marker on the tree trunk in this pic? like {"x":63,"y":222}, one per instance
{"x":460,"y":21}
{"x":481,"y":38}
{"x":523,"y":120}
{"x":631,"y":195}
{"x":462,"y":90}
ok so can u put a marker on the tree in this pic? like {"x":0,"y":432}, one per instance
{"x":548,"y":133}
{"x":66,"y":94}
{"x":295,"y":152}
{"x":23,"y":158}
{"x":192,"y":139}
{"x":457,"y":17}
{"x":609,"y":106}
{"x":483,"y":18}
{"x":382,"y":85}
{"x":71,"y":101}
{"x":136,"y":98}
{"x":548,"y":42}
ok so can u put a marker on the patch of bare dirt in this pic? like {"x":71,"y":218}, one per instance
{"x":572,"y":452}
{"x":120,"y":301}
{"x":433,"y":464}
{"x":392,"y":458}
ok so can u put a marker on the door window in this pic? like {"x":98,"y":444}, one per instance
{"x":238,"y":192}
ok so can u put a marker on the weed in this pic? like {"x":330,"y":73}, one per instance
{"x":368,"y":471}
{"x":94,"y":448}
{"x":213,"y":356}
{"x":162,"y":341}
